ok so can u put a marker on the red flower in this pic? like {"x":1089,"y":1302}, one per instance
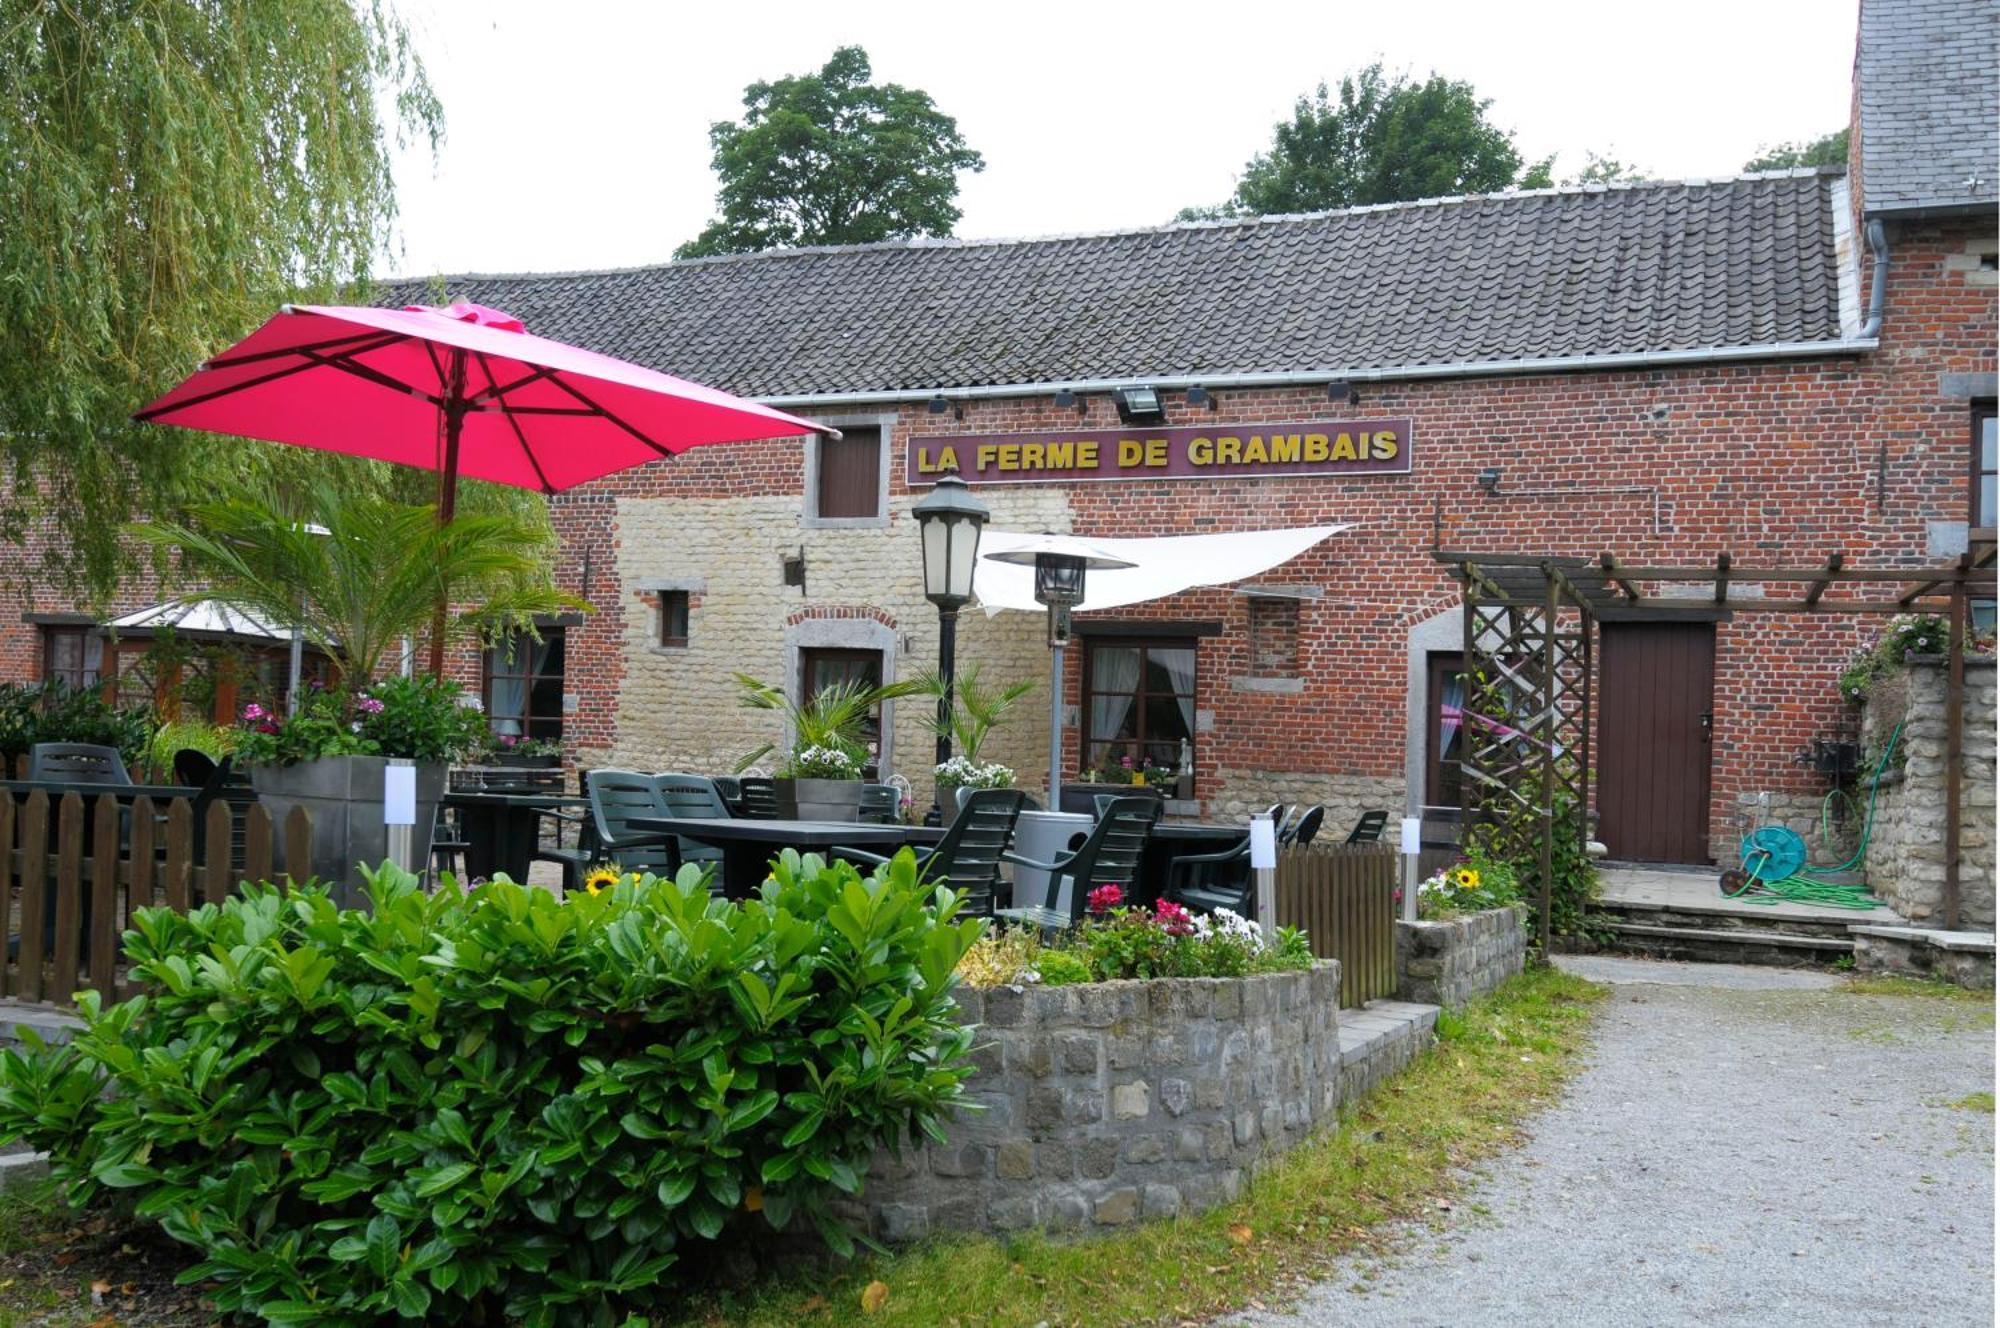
{"x":1173,"y":919}
{"x":1105,"y":898}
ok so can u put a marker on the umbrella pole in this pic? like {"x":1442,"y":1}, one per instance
{"x":454,"y":424}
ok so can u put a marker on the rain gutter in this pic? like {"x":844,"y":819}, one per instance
{"x":1861,"y":344}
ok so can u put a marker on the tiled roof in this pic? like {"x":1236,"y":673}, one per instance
{"x":1929,"y":72}
{"x":1508,"y":277}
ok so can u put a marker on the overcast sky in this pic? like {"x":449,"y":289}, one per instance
{"x":577,"y":132}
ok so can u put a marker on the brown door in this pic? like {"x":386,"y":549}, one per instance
{"x":1655,"y":685}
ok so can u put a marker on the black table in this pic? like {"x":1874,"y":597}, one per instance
{"x":503,"y":830}
{"x":749,"y":845}
{"x":1181,"y":839}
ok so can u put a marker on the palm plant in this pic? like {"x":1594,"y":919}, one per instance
{"x":357,"y":574}
{"x":830,"y":718}
{"x":976,"y":709}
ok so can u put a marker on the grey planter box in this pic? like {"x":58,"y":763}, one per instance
{"x":343,"y":796}
{"x":819,"y":799}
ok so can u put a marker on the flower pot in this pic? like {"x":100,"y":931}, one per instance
{"x":819,"y":799}
{"x":526,"y":762}
{"x":343,"y":796}
{"x":947,"y":799}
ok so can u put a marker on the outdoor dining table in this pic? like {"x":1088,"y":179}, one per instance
{"x":749,"y":845}
{"x":503,"y":830}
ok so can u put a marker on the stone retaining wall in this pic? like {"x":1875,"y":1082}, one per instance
{"x":1109,"y":1102}
{"x":1905,"y":863}
{"x":1460,"y":959}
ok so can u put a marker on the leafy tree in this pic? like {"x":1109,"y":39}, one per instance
{"x":1383,"y":140}
{"x":1605,"y":170}
{"x":359,"y":573}
{"x":831,"y":158}
{"x":1827,"y":150}
{"x":173,"y":172}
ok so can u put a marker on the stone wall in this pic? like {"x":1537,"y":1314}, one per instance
{"x":1457,"y":960}
{"x":1104,"y":1103}
{"x":1905,"y":862}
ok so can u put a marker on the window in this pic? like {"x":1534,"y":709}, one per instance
{"x":1138,"y":702}
{"x":524,"y":685}
{"x":673,"y":617}
{"x":847,"y":484}
{"x":72,"y":656}
{"x":1274,"y":637}
{"x":1445,"y":742}
{"x":821,"y":668}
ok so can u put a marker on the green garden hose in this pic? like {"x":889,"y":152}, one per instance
{"x":1764,"y":847}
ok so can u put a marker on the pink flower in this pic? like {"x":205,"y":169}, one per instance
{"x":368,"y":705}
{"x":1173,"y":919}
{"x":1105,"y":898}
{"x":1125,"y":761}
{"x":508,"y":740}
{"x":254,"y":712}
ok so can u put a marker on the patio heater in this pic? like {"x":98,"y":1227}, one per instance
{"x":949,"y":520}
{"x":1060,"y":563}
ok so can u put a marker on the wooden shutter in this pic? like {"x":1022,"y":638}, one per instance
{"x":850,"y":474}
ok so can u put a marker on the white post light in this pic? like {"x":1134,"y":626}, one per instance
{"x":1264,"y":863}
{"x":1413,"y":844}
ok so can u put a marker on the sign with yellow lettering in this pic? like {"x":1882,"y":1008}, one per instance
{"x":1237,"y":451}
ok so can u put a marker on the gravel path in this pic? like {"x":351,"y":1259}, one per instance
{"x":1747,"y":1146}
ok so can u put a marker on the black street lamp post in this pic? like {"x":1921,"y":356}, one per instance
{"x":949,"y":520}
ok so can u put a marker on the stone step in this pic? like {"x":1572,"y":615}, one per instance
{"x":1727,"y":945}
{"x":1723,"y":915}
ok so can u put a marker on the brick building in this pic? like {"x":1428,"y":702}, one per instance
{"x":1778,"y":366}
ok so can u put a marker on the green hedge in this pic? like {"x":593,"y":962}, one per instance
{"x":501,"y":1104}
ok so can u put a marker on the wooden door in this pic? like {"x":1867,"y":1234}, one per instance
{"x":1655,"y":698}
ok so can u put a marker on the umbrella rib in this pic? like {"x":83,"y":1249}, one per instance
{"x":307,"y":360}
{"x":564,"y":384}
{"x":255,"y":357}
{"x":486,"y":368}
{"x":496,"y":391}
{"x":377,"y":377}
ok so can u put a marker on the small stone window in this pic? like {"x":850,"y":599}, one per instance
{"x":674,"y":618}
{"x":1274,"y":637}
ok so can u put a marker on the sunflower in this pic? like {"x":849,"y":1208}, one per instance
{"x":601,"y":878}
{"x":1465,"y":878}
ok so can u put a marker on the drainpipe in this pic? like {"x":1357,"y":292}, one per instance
{"x":1878,"y":247}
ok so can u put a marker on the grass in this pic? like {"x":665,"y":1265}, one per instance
{"x":1928,"y":988}
{"x":1973,"y":1102}
{"x":1399,"y":1154}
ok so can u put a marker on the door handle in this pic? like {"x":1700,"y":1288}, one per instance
{"x":1707,"y":723}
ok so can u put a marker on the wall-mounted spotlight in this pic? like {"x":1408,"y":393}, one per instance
{"x":1065,"y":397}
{"x":1200,"y":396}
{"x":1139,"y":405}
{"x":938,"y":406}
{"x":1342,"y":390}
{"x":1489,"y":479}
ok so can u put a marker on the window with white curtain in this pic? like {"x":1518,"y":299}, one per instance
{"x":1138,"y":702}
{"x":524,"y":685}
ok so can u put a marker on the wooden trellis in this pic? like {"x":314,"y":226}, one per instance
{"x":1530,"y":628}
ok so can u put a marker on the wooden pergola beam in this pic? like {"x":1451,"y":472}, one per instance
{"x":1834,"y":561}
{"x":1617,"y":574}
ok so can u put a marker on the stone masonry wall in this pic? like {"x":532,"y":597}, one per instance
{"x":1456,"y":960}
{"x":1905,"y":863}
{"x":1108,"y":1102}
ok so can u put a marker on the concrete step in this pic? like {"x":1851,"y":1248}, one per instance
{"x":1724,"y":945}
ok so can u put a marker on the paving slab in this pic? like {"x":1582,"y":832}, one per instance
{"x":1649,"y":887}
{"x":1745,"y":1147}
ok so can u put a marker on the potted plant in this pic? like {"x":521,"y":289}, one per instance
{"x":331,"y":757}
{"x":360,"y":574}
{"x":960,"y":773}
{"x":1126,"y":776}
{"x":523,"y":753}
{"x":820,"y":777}
{"x":976,"y":711}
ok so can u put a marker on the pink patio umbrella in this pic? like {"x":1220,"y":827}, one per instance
{"x":461,"y":390}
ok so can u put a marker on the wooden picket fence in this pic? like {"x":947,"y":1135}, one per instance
{"x":1344,"y":896}
{"x":75,"y":870}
